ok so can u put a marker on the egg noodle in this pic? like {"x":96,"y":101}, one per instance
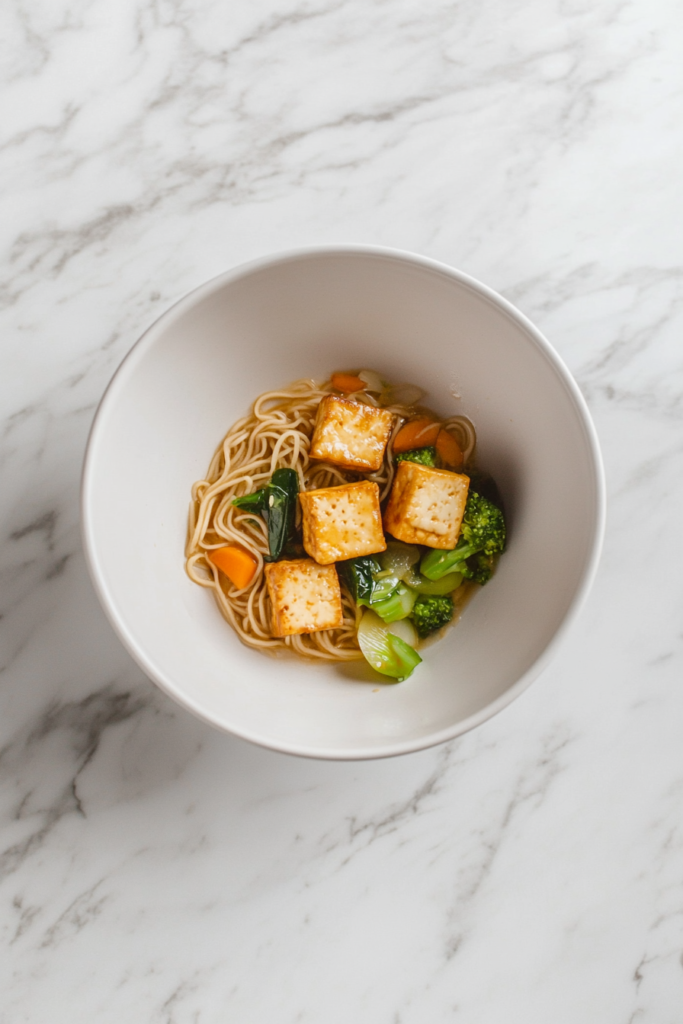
{"x":277,"y":433}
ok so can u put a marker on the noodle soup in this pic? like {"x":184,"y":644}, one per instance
{"x":342,"y":520}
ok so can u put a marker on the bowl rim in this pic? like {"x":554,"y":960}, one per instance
{"x":197,"y":295}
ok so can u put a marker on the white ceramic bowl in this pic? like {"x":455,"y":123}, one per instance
{"x":307,"y":313}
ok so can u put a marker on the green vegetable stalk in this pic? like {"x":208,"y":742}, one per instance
{"x":421,"y":585}
{"x":388,"y":653}
{"x":401,"y":658}
{"x":397,"y":606}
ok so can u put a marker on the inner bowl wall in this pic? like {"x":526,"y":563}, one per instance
{"x":200,"y":367}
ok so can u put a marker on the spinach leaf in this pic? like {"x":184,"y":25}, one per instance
{"x":357,"y":573}
{"x":255,"y":502}
{"x":277,"y":504}
{"x":280,"y":511}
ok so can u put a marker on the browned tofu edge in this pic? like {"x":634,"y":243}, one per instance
{"x":273,"y":570}
{"x":393,"y":524}
{"x":358,"y":464}
{"x":307,"y":499}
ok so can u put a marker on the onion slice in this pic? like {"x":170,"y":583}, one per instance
{"x":403,"y":394}
{"x":373,"y":380}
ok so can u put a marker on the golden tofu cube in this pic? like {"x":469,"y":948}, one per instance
{"x":351,"y":434}
{"x":304,"y":596}
{"x":426,"y":505}
{"x":342,"y":522}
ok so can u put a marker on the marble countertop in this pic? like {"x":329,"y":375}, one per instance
{"x":153,"y":870}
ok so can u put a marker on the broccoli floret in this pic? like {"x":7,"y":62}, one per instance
{"x":484,"y":531}
{"x":479,"y":568}
{"x":431,"y":613}
{"x":482,"y":534}
{"x":425,"y":456}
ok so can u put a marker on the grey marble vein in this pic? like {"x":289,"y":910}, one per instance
{"x":153,"y":870}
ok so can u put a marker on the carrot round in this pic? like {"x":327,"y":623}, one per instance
{"x":347,"y":383}
{"x":237,"y":564}
{"x":419,"y":433}
{"x":448,"y":449}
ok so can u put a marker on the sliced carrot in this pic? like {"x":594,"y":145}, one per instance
{"x":448,"y":449}
{"x":419,"y":433}
{"x":347,"y":382}
{"x":237,"y":564}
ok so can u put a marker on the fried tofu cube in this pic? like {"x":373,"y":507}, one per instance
{"x":351,"y":434}
{"x":426,"y":505}
{"x":304,"y":596}
{"x":342,"y":522}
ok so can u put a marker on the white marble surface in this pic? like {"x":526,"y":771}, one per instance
{"x":152,"y":870}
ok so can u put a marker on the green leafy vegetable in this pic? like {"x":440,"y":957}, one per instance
{"x":404,"y":658}
{"x":283,"y":491}
{"x":397,"y":606}
{"x":358,"y":574}
{"x":384,"y":587}
{"x":255,"y":502}
{"x":277,"y":504}
{"x":482,"y":537}
{"x":431,"y":612}
{"x":425,"y":456}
